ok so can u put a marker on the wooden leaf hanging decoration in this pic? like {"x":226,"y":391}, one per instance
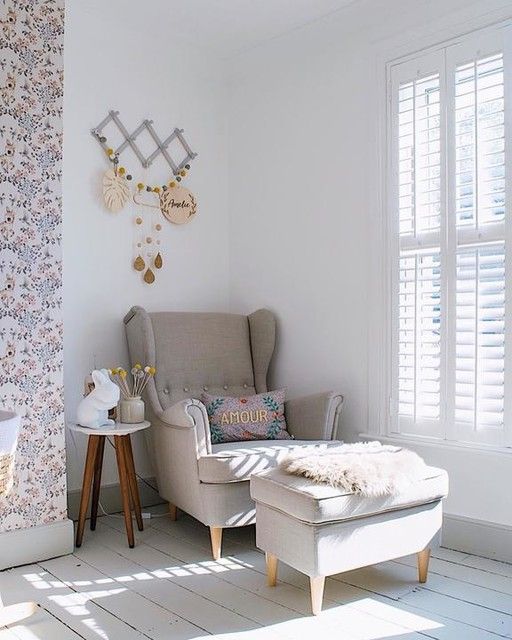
{"x":115,"y":191}
{"x":158,"y":261}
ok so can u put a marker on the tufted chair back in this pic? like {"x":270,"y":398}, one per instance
{"x":220,"y":353}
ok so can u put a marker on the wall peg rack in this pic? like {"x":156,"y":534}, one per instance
{"x":161,"y":146}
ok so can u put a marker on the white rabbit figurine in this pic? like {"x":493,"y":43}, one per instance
{"x":92,"y":411}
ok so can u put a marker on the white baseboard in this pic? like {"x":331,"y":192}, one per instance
{"x":25,"y":546}
{"x":482,"y":538}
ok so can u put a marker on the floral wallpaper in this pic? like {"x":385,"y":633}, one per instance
{"x":31,"y":85}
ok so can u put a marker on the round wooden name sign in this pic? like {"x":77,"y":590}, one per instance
{"x":178,"y":205}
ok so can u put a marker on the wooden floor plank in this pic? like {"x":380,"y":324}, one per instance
{"x":466,"y":573}
{"x":73,"y":609}
{"x":490,"y":566}
{"x":470,"y":614}
{"x":294,"y":596}
{"x":169,"y":583}
{"x":288,"y":622}
{"x":115,"y":596}
{"x":42,"y":625}
{"x":169,"y":587}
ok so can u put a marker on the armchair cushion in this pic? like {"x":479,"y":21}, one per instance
{"x":236,"y":462}
{"x":251,"y":417}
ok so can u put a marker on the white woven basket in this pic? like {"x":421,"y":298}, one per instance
{"x":9,"y":429}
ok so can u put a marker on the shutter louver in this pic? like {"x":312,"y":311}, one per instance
{"x":480,"y":337}
{"x":419,"y":156}
{"x":480,"y":142}
{"x":419,"y":336}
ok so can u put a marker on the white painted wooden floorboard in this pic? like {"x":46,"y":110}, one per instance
{"x":299,"y":600}
{"x":397,"y":586}
{"x":73,"y":609}
{"x":41,"y":625}
{"x":169,"y":587}
{"x":465,"y":573}
{"x":200,"y":581}
{"x":341,"y":617}
{"x":210,"y":584}
{"x":116,"y":596}
{"x":492,"y":566}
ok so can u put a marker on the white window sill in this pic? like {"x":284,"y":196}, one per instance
{"x":438,"y":444}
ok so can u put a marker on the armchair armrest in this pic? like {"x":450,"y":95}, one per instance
{"x":189,"y":414}
{"x":314,"y":417}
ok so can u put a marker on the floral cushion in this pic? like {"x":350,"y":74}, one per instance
{"x":256,"y":417}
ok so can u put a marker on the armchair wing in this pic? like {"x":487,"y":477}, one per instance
{"x":314,"y":417}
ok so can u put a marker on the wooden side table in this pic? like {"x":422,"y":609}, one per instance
{"x":127,"y":478}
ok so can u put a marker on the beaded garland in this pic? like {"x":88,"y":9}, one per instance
{"x":141,"y":186}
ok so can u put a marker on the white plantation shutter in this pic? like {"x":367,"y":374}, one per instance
{"x":419,"y":340}
{"x":480,"y":337}
{"x":449,"y":155}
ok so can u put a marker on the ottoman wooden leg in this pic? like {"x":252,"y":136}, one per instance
{"x":423,"y":560}
{"x":317,"y":593}
{"x":271,"y":561}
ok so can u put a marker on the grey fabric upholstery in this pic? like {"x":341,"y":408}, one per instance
{"x":314,"y":416}
{"x":224,"y":354}
{"x":312,"y":502}
{"x":322,"y":531}
{"x":263,"y":339}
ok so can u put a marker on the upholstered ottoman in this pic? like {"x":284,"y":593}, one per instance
{"x":322,"y":531}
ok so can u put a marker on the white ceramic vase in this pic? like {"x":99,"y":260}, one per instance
{"x":131,"y":410}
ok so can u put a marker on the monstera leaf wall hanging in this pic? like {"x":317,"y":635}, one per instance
{"x":115,"y":191}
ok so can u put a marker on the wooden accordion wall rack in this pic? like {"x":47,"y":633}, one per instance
{"x":170,"y":200}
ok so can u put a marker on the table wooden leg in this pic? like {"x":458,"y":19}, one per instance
{"x":134,"y":488}
{"x":98,"y":464}
{"x":125,"y":488}
{"x":92,"y":448}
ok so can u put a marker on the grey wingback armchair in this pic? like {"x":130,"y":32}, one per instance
{"x":224,"y":354}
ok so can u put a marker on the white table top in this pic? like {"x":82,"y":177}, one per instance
{"x":119,"y":429}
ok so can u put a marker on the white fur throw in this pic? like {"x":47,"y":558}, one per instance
{"x":366,"y":468}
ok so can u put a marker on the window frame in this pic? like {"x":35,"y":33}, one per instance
{"x":442,"y":58}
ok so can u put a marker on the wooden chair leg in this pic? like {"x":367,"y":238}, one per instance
{"x":271,"y":562}
{"x":423,"y":560}
{"x":317,"y":593}
{"x":134,"y":487}
{"x":173,"y":511}
{"x":125,"y":488}
{"x":96,"y":485}
{"x":92,"y":448}
{"x":216,"y":540}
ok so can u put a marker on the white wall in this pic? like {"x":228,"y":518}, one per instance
{"x":304,"y":192}
{"x":122,"y":56}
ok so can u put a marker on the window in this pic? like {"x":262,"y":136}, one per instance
{"x":449,"y":135}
